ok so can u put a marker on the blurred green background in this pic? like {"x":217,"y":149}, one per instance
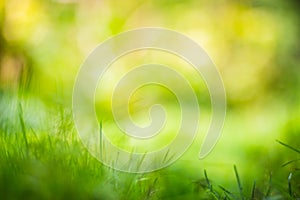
{"x":255,"y":44}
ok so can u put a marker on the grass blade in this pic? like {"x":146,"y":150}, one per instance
{"x":209,"y":185}
{"x":238,"y":181}
{"x":23,"y":128}
{"x":207,"y":181}
{"x":289,"y":162}
{"x":290,"y":184}
{"x":288,"y":146}
{"x":253,"y":191}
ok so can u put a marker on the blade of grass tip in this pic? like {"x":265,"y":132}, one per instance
{"x":253,"y":191}
{"x":238,"y":181}
{"x":290,"y":184}
{"x":21,"y":119}
{"x":288,"y":146}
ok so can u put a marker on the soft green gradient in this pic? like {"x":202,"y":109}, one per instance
{"x":254,"y":43}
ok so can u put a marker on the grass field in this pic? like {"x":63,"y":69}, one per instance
{"x":42,"y":157}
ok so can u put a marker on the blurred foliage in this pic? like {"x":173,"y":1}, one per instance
{"x":254,"y":43}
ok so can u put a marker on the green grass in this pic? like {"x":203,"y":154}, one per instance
{"x":48,"y":161}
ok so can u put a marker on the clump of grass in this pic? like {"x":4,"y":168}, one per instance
{"x":224,"y":193}
{"x":290,"y":176}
